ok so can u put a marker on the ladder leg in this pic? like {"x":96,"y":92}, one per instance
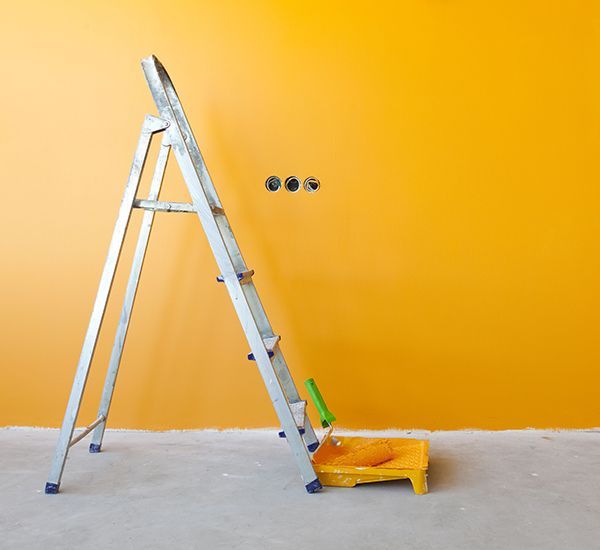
{"x":151,"y":124}
{"x":226,"y":252}
{"x":132,"y":286}
{"x":244,"y":312}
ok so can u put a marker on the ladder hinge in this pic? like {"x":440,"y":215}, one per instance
{"x":155,"y":124}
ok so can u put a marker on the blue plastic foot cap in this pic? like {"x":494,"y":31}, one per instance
{"x":95,"y":448}
{"x":51,"y":488}
{"x":313,"y":447}
{"x":314,"y":486}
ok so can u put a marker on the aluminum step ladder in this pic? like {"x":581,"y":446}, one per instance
{"x":237,"y":278}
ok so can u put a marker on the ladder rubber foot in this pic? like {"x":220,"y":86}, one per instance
{"x":51,"y":488}
{"x":301,"y":430}
{"x":95,"y":448}
{"x":314,"y":486}
{"x":252,"y":358}
{"x":313,"y":447}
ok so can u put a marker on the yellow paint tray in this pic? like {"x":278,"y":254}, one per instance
{"x":405,"y":459}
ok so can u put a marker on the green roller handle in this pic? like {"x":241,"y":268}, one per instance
{"x":327,"y":417}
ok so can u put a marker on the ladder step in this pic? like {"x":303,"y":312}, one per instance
{"x":299,"y":412}
{"x":164,"y":206}
{"x":270,"y":343}
{"x":243,"y":277}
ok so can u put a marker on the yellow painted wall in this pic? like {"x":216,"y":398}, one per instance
{"x":447,"y":275}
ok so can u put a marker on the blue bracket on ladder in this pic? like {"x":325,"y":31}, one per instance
{"x":300,"y":430}
{"x":252,"y":358}
{"x":311,"y":447}
{"x":221,"y":279}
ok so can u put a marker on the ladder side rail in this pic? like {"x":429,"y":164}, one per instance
{"x":151,"y":124}
{"x":130,"y":294}
{"x":192,"y":167}
{"x":165,"y":88}
{"x":231,"y":244}
{"x":258,"y":310}
{"x":276,"y":390}
{"x":206,"y":182}
{"x":245,"y":315}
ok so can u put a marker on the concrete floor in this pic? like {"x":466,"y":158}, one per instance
{"x":217,"y":490}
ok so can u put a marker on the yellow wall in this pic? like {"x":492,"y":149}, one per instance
{"x":446,"y":275}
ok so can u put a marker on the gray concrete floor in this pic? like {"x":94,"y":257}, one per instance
{"x":214,"y":490}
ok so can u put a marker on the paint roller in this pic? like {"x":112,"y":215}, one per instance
{"x":372,"y":453}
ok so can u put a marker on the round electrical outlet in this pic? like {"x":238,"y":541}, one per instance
{"x":273,"y":184}
{"x":312,"y":184}
{"x":292,"y":184}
